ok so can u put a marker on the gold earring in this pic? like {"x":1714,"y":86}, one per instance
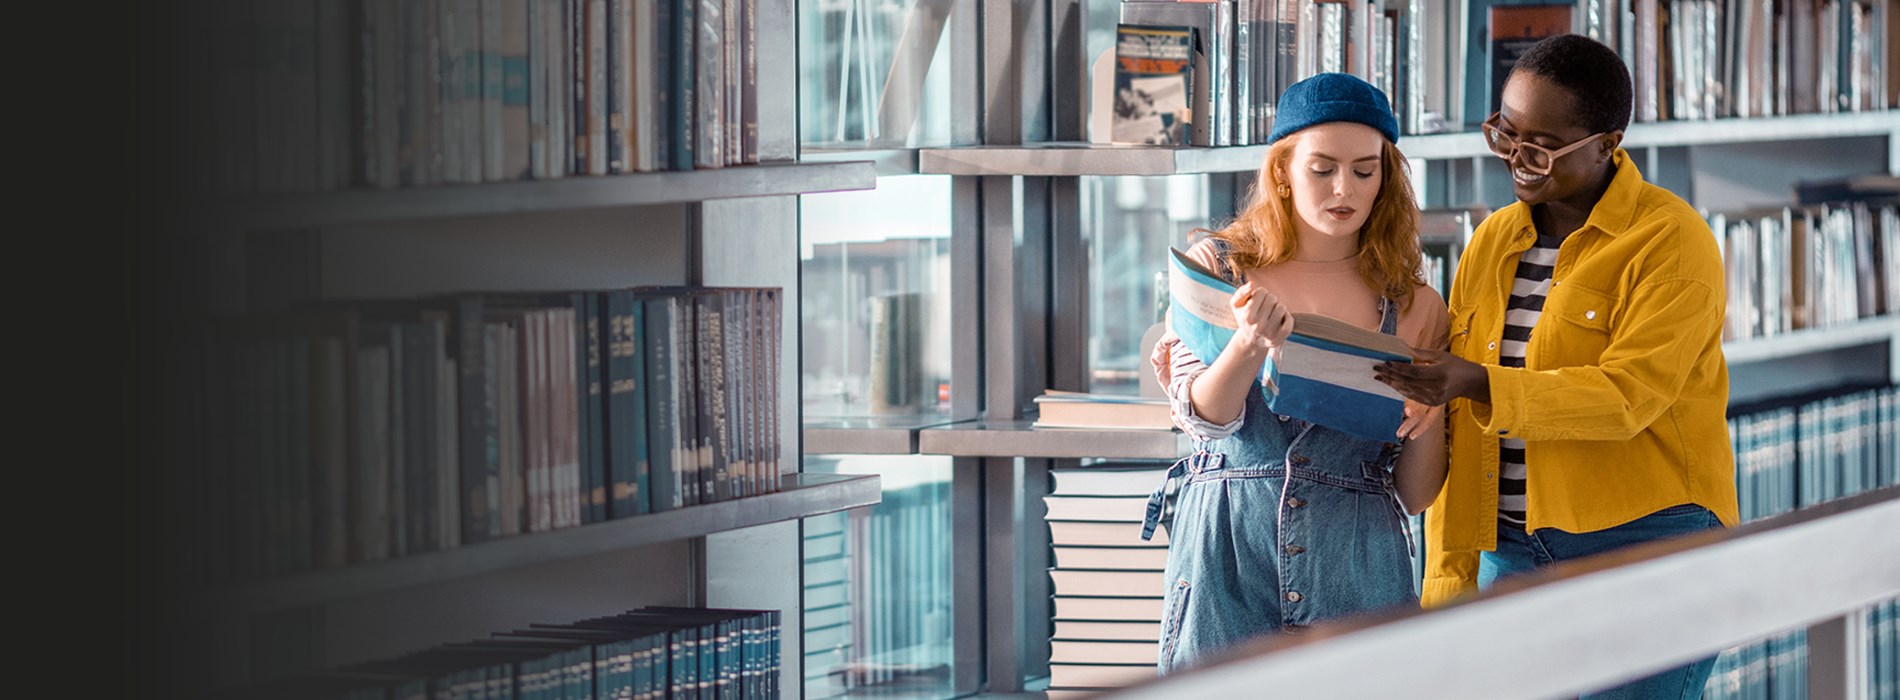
{"x":1282,"y":190}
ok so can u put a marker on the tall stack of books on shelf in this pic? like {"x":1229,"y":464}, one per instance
{"x":365,"y":430}
{"x":652,"y":652}
{"x":318,"y":95}
{"x":1809,"y":266}
{"x":1800,"y":453}
{"x":1107,"y":583}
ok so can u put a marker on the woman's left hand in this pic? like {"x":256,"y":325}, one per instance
{"x":1435,"y":377}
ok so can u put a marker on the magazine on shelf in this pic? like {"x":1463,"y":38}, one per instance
{"x":1324,"y":372}
{"x":1155,"y":89}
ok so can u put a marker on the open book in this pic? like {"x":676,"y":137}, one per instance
{"x":1324,"y":372}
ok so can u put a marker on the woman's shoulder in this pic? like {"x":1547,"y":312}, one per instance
{"x":1213,"y":253}
{"x":1426,"y":321}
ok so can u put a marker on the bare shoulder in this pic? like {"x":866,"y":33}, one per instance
{"x":1206,"y":252}
{"x":1426,"y":323}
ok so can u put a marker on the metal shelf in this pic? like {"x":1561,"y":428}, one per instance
{"x":1811,"y":341}
{"x":803,"y":495}
{"x":887,"y":161}
{"x":293,"y":211}
{"x":873,"y":435}
{"x":1079,"y":158}
{"x":1019,"y":439}
{"x":1863,"y":353}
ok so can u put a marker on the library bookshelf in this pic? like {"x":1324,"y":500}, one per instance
{"x":272,"y":192}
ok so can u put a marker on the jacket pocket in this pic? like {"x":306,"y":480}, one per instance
{"x":1580,"y":321}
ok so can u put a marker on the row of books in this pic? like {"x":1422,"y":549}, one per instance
{"x":1799,"y":455}
{"x":1809,"y":266}
{"x":1698,"y":59}
{"x":1208,"y":73}
{"x":652,"y":652}
{"x":1741,"y":58}
{"x":359,"y":431}
{"x":314,"y":95}
{"x":1107,"y":583}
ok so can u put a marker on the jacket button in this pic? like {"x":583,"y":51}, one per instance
{"x":1293,"y":596}
{"x":1293,"y":549}
{"x":1492,"y":346}
{"x":1295,"y":502}
{"x":1591,"y":314}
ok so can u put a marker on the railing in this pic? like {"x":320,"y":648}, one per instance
{"x":1593,"y":623}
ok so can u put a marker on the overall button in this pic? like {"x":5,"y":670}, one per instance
{"x":1294,"y":596}
{"x":1284,"y":419}
{"x":1293,"y":549}
{"x":1295,"y":502}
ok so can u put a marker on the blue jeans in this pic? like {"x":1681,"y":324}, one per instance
{"x":1519,"y":552}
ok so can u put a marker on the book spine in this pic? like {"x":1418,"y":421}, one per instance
{"x":619,"y":86}
{"x":749,"y":81}
{"x":626,"y":409}
{"x":709,"y":94}
{"x":597,"y":85}
{"x":479,"y":456}
{"x":681,"y":127}
{"x":594,"y":436}
{"x":513,"y":135}
{"x":663,"y":454}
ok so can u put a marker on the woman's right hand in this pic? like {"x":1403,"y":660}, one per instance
{"x":1261,"y":321}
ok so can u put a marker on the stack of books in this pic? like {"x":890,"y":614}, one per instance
{"x":1070,"y":409}
{"x":1107,"y":583}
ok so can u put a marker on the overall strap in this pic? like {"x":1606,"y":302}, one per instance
{"x":1388,"y":316}
{"x":1223,"y":252}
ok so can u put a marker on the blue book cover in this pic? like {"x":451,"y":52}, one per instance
{"x":1324,"y":372}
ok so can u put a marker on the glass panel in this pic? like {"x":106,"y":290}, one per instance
{"x":1128,"y":223}
{"x":878,"y":604}
{"x":873,"y":73}
{"x":876,"y":305}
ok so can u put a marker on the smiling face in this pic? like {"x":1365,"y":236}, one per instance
{"x":1335,"y":174}
{"x":1539,"y":112}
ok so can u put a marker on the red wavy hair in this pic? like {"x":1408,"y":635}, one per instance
{"x":1264,"y":234}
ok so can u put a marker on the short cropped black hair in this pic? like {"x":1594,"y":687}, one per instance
{"x":1590,"y":71}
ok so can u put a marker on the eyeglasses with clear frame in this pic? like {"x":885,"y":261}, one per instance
{"x":1537,"y":159}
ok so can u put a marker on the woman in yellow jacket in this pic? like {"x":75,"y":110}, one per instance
{"x":1585,"y":378}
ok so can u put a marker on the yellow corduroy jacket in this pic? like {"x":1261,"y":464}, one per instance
{"x":1622,"y":397}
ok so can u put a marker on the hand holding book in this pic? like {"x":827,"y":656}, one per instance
{"x":1323,"y":370}
{"x":1260,"y":320}
{"x":1435,"y":377}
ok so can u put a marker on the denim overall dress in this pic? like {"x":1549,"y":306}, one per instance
{"x":1280,"y":525}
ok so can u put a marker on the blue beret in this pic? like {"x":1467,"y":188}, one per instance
{"x":1333,"y":97}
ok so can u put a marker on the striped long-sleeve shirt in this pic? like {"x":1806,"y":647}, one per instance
{"x":1534,"y":269}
